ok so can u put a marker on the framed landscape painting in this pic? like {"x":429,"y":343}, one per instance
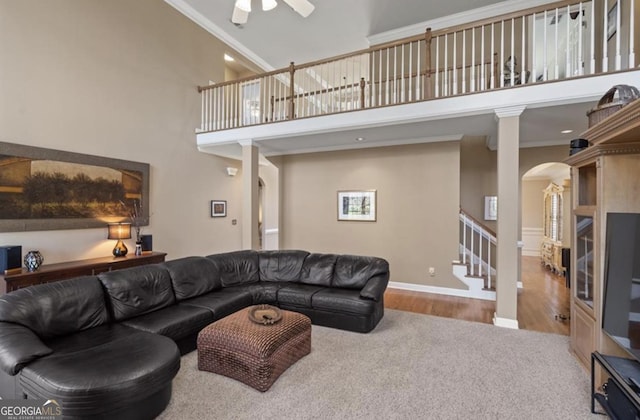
{"x":357,"y":205}
{"x":46,"y":189}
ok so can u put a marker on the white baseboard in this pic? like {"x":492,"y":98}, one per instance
{"x":505,"y":322}
{"x":480,"y":294}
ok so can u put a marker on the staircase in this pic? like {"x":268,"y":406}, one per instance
{"x":476,"y":267}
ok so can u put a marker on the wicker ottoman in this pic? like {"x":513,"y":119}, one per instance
{"x":252,"y":353}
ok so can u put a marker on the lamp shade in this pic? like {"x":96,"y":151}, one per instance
{"x":119,"y":231}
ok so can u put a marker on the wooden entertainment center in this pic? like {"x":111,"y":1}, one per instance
{"x":605,"y":178}
{"x":20,"y":277}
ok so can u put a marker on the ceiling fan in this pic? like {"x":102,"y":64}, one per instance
{"x":243,"y":7}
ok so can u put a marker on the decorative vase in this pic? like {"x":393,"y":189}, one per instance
{"x":33,"y":260}
{"x":139,"y":248}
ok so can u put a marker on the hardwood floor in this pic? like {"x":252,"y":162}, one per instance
{"x":542,"y":302}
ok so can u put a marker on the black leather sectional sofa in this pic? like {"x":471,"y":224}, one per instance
{"x":108,"y":346}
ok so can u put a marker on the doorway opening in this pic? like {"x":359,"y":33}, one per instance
{"x":545,"y":220}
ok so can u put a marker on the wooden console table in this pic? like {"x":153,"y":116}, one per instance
{"x":20,"y":277}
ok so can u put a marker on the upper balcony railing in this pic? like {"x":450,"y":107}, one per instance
{"x":551,"y":42}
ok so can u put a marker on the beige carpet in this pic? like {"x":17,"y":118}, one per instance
{"x":410,"y":367}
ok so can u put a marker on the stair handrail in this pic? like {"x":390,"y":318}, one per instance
{"x":482,"y":256}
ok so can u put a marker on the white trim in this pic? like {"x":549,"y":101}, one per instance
{"x":505,"y":322}
{"x":455,"y":20}
{"x":183,"y":7}
{"x":247,"y":142}
{"x":271,"y":231}
{"x":532,"y":238}
{"x":481,"y":294}
{"x":510,"y":111}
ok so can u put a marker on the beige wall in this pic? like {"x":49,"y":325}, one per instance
{"x":118,"y":79}
{"x":417,"y":197}
{"x":478,"y":177}
{"x":532,"y":203}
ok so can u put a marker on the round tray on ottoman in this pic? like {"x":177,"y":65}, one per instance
{"x":254,"y":353}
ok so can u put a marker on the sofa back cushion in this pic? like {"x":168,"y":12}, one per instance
{"x":58,"y":308}
{"x":193,"y":276}
{"x":137,"y":290}
{"x":281,"y":265}
{"x":318,"y":269}
{"x":239,"y":267}
{"x":352,"y":272}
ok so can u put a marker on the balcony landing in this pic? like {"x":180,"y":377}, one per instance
{"x":550,"y":107}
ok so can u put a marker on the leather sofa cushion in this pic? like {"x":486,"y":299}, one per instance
{"x":87,"y":382}
{"x":94,"y":337}
{"x":263,"y":292}
{"x":239,"y":267}
{"x":297,"y":294}
{"x":352,"y":272}
{"x":175,"y":322}
{"x":19,"y":346}
{"x":282,"y":266}
{"x":223,"y":302}
{"x":193,"y":276}
{"x":137,"y":290}
{"x":57,"y":308}
{"x":318,"y":269}
{"x":340,"y":300}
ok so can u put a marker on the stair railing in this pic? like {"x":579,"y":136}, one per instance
{"x":478,"y":248}
{"x":556,"y":41}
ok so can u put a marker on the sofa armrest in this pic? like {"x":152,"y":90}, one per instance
{"x":19,"y":346}
{"x":375,"y":287}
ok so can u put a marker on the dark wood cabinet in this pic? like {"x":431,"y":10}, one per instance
{"x":19,"y":278}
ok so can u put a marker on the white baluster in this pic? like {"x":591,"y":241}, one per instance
{"x":455,"y":64}
{"x":472,"y":88}
{"x":437,"y":90}
{"x":445,"y":88}
{"x":555,"y":50}
{"x":605,"y":41}
{"x":463,"y":73}
{"x":632,"y":31}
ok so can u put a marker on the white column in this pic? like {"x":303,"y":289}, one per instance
{"x":507,"y":265}
{"x":250,"y":204}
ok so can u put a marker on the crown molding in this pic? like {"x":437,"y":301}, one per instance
{"x":509,"y":111}
{"x":454,"y":20}
{"x":183,"y":7}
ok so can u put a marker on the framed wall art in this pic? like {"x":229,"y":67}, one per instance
{"x":46,"y":189}
{"x":218,"y":208}
{"x":357,"y":205}
{"x":490,"y":207}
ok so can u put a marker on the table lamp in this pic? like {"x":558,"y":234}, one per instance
{"x":119,"y":231}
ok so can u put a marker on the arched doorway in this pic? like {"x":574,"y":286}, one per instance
{"x":545,"y":232}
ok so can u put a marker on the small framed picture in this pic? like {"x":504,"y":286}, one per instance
{"x":490,"y":207}
{"x":357,"y":205}
{"x":218,"y":208}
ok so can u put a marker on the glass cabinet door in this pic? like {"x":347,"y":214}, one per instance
{"x":584,"y":259}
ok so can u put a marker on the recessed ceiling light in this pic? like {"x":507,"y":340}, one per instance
{"x":359,"y":138}
{"x":227,"y":57}
{"x":566,"y":131}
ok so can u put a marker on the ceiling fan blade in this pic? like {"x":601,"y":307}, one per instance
{"x":303,"y":7}
{"x":239,"y":16}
